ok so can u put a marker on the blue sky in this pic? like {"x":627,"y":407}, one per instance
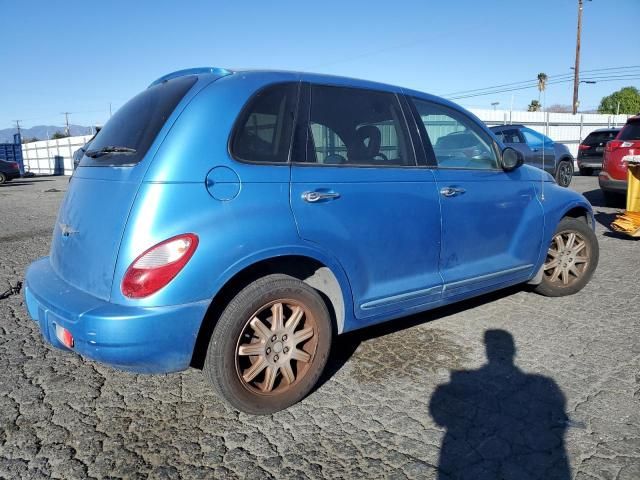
{"x":78,"y":56}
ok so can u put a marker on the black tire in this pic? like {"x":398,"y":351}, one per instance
{"x":586,"y":171}
{"x":613,"y":199}
{"x":556,"y":288}
{"x":223,"y":360}
{"x":564,"y":173}
{"x":3,"y":178}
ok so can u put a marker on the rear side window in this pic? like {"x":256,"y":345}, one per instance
{"x":135,"y":126}
{"x":631,"y":131}
{"x":263,"y":131}
{"x":356,"y":127}
{"x":456,"y":139}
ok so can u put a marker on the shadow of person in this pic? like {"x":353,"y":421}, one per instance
{"x":501,"y":423}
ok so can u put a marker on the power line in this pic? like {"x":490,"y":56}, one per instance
{"x":555,"y":77}
{"x":633,"y":76}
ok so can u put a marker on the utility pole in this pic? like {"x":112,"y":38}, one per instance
{"x":576,"y":70}
{"x":109,"y":109}
{"x":66,"y":119}
{"x":18,"y":126}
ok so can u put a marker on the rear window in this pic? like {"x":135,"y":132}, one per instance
{"x":136,"y":125}
{"x":631,"y":131}
{"x":596,"y":138}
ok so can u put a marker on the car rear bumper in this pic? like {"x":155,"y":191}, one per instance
{"x":611,"y":184}
{"x":590,"y":163}
{"x":12,"y":175}
{"x":139,"y":339}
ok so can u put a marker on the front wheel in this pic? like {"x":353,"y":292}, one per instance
{"x":270,"y":345}
{"x":571,"y":259}
{"x":564,"y":174}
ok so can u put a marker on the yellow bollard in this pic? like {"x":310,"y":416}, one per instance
{"x":629,"y":221}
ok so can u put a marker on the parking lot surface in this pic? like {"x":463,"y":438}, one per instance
{"x":398,"y":400}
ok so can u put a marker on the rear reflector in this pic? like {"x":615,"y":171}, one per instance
{"x":64,"y":336}
{"x":157,"y":266}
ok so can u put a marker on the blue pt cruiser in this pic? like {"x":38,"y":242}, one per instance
{"x":252,"y":215}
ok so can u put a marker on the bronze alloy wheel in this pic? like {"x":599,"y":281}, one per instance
{"x":276,"y":347}
{"x":567,"y":258}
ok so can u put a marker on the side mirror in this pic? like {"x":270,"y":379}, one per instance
{"x":511,"y":159}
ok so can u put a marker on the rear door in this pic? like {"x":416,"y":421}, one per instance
{"x":93,"y":215}
{"x":491,"y":219}
{"x":357,"y":192}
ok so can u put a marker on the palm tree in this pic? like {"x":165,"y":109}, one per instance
{"x":542,"y":83}
{"x":534,"y":106}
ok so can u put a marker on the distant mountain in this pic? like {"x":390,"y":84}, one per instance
{"x":41,"y":131}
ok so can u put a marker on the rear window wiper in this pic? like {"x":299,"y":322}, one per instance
{"x":109,"y":149}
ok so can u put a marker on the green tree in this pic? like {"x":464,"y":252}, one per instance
{"x":534,"y":106}
{"x":29,"y":139}
{"x":57,"y":135}
{"x":627,"y":97}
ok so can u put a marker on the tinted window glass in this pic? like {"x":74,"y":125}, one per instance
{"x":509,"y":136}
{"x":596,"y":138}
{"x":631,"y":131}
{"x":137,"y":123}
{"x":533,"y":139}
{"x":357,"y":127}
{"x":264,"y":131}
{"x":456,"y":139}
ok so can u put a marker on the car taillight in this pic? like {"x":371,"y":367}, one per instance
{"x":613,"y":145}
{"x":14,"y":165}
{"x":582,"y":146}
{"x":157,"y":266}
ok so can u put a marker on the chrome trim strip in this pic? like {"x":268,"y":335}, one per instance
{"x":387,"y":301}
{"x":487,"y":276}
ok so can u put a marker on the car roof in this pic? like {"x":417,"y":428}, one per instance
{"x":612,"y":129}
{"x":308,"y":77}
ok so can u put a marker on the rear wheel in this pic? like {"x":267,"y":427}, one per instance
{"x":564,"y":174}
{"x":270,"y":345}
{"x":571,"y":259}
{"x":586,"y":171}
{"x":3,"y":178}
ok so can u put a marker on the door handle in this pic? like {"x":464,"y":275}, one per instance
{"x":313,"y":197}
{"x":451,"y":191}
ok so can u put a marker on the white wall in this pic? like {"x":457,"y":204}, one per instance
{"x":40,"y":157}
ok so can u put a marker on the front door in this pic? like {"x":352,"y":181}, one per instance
{"x":491,"y":219}
{"x":357,"y":193}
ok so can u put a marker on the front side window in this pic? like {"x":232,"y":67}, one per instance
{"x":456,"y":140}
{"x":509,"y":136}
{"x":534,"y":139}
{"x":263,"y":132}
{"x":351,"y":126}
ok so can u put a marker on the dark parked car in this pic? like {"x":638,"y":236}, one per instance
{"x":79,"y":153}
{"x":591,"y":150}
{"x":538,"y":148}
{"x":8,"y":171}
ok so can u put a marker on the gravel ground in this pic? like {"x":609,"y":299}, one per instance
{"x":397,"y":401}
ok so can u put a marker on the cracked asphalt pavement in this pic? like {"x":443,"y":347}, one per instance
{"x":510,"y":385}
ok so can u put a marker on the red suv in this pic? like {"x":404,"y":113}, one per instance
{"x":613,"y":177}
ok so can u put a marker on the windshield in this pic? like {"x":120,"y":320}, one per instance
{"x":127,"y":136}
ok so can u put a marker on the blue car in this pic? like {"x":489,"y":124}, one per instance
{"x":243,"y":218}
{"x":538,"y":150}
